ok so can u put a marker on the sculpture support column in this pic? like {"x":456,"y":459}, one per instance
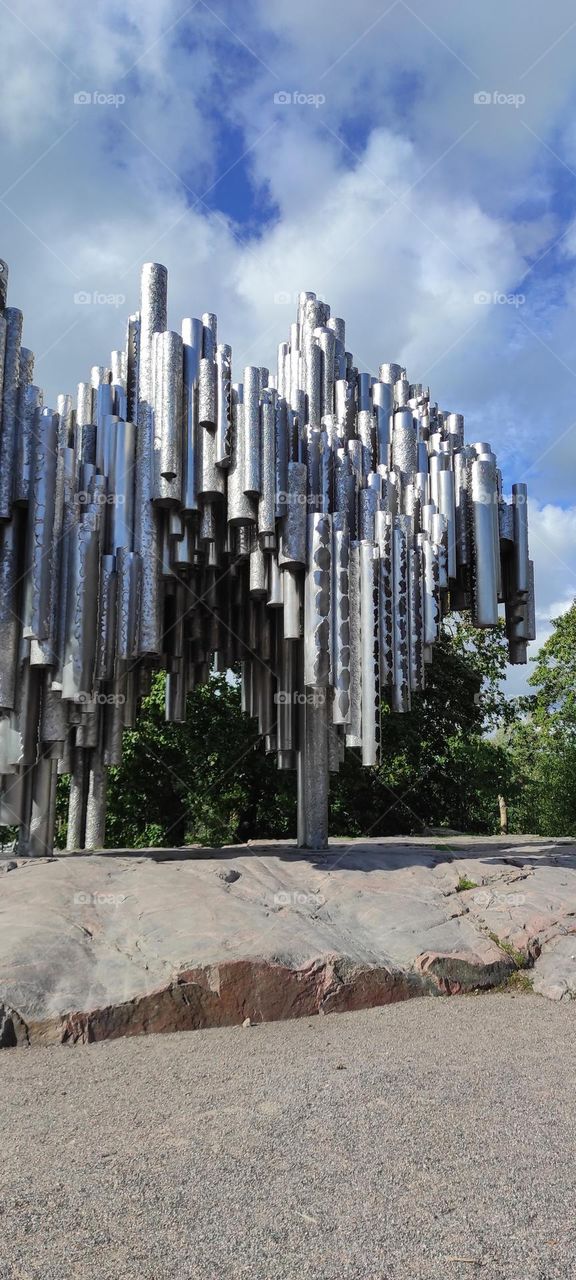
{"x":313,"y":779}
{"x":77,"y":801}
{"x":96,"y":805}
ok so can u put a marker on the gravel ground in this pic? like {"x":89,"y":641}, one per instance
{"x":424,"y":1141}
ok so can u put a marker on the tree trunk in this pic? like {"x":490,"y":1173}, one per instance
{"x":503,"y":815}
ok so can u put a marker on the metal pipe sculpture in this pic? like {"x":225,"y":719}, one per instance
{"x":313,"y":526}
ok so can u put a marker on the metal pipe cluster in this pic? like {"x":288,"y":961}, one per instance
{"x":313,"y":526}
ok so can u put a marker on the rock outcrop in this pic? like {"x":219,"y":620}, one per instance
{"x":118,"y":943}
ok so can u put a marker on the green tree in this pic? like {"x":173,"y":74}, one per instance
{"x":543,"y":739}
{"x":438,"y":767}
{"x":209,"y":780}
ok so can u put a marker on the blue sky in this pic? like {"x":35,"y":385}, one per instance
{"x":440,"y":225}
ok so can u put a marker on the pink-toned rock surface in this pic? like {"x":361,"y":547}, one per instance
{"x":120,"y":944}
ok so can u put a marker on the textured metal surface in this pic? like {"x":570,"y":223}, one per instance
{"x":311,"y":526}
{"x":340,"y":620}
{"x":317,"y":602}
{"x":191,"y":350}
{"x":251,"y":445}
{"x":168,"y":419}
{"x":40,"y":546}
{"x":400,"y":618}
{"x":223,"y":404}
{"x":293,"y":530}
{"x":11,"y":370}
{"x":267,"y":498}
{"x":369,"y":642}
{"x":312,"y":771}
{"x":10,"y":541}
{"x":485,"y":591}
{"x":354,"y":724}
{"x":153,"y":303}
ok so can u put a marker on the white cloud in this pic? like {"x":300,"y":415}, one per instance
{"x":399,"y":114}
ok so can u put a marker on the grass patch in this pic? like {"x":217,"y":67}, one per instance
{"x":465,"y":883}
{"x":517,"y":981}
{"x":520,"y":960}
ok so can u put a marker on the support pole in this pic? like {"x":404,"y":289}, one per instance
{"x":312,"y":771}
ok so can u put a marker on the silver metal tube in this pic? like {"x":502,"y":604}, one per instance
{"x":11,"y":368}
{"x":340,"y":620}
{"x":404,"y":443}
{"x":153,"y":307}
{"x":312,"y":772}
{"x":107,"y":619}
{"x":240,"y":507}
{"x":317,"y":602}
{"x":11,"y":535}
{"x":416,"y":616}
{"x":267,"y":498}
{"x":485,"y":594}
{"x":191,"y":352}
{"x":82,"y":612}
{"x":96,"y":805}
{"x":292,"y":585}
{"x":41,"y":515}
{"x":400,"y":636}
{"x":521,"y":562}
{"x":251,"y":451}
{"x":77,"y":801}
{"x":354,"y":723}
{"x":29,"y":406}
{"x":431,"y":592}
{"x":168,"y":419}
{"x":370,"y":647}
{"x":223,"y":405}
{"x":293,"y":532}
{"x":120,"y":504}
{"x":447,"y":508}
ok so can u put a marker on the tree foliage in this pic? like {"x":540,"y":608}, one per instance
{"x":542,"y":741}
{"x":209,"y":780}
{"x":444,"y":764}
{"x":437,"y":768}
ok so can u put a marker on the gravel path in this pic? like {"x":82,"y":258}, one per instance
{"x":431,"y":1140}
